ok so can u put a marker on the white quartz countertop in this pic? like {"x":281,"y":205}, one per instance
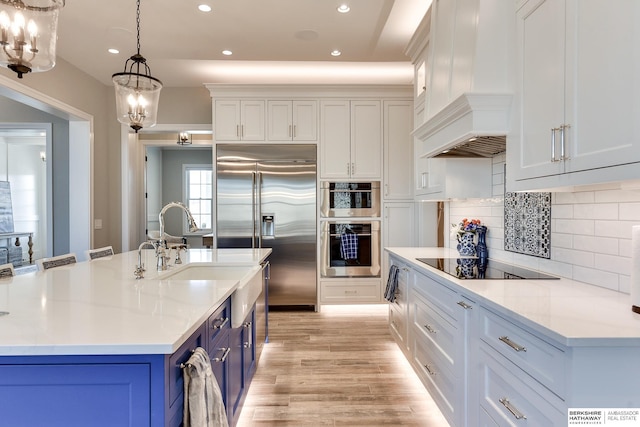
{"x":572,"y":313}
{"x":98,"y":307}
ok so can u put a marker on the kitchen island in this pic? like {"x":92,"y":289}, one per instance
{"x":88,"y":344}
{"x":494,"y":352}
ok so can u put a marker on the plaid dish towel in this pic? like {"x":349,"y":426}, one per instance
{"x":349,"y":245}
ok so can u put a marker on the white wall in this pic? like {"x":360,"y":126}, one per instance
{"x":590,"y":231}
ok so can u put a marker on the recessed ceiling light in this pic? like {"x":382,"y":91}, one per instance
{"x":204,"y":8}
{"x":114,"y":51}
{"x":336,"y":53}
{"x":344,"y":8}
{"x":227,"y":52}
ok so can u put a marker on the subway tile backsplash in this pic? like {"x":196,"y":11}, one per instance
{"x":590,"y":231}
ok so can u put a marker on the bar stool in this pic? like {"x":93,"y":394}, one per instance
{"x":99,"y":253}
{"x":6,"y":270}
{"x":56,"y":261}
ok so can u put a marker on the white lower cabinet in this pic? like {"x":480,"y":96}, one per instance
{"x":350,"y":291}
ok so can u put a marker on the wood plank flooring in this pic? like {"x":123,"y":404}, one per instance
{"x":338,"y":367}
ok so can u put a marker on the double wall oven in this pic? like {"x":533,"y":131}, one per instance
{"x":350,"y":229}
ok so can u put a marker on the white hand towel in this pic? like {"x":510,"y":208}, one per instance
{"x":203,"y":405}
{"x":635,"y":268}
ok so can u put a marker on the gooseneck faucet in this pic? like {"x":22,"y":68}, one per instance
{"x":139,"y":271}
{"x":161,"y":252}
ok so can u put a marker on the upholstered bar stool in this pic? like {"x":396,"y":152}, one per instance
{"x":99,"y":253}
{"x":56,"y":261}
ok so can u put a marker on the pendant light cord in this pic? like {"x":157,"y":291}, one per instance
{"x":138,"y":23}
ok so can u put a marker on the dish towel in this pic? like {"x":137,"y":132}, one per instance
{"x":349,"y":245}
{"x":392,"y":284}
{"x":203,"y":404}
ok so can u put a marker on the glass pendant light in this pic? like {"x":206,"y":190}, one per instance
{"x":137,"y":92}
{"x":28,"y":34}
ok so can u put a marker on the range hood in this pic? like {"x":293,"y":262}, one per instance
{"x":473,"y":125}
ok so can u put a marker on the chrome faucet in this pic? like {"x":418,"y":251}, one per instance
{"x":161,"y":252}
{"x":139,"y":271}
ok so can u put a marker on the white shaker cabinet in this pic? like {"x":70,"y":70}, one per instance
{"x":351,"y":139}
{"x":292,"y":120}
{"x":398,"y":150}
{"x":578,"y":97}
{"x":239,"y":120}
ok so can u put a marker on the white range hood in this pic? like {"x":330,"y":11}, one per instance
{"x":472,"y":125}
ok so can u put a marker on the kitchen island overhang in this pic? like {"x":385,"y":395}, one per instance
{"x":90,"y":339}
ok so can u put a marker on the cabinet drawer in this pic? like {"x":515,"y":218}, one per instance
{"x":398,"y":323}
{"x":438,"y":334}
{"x":218,"y":322}
{"x":440,"y":296}
{"x":508,"y":396}
{"x":176,"y":381}
{"x":350,"y":293}
{"x":541,"y":360}
{"x":439,"y":380}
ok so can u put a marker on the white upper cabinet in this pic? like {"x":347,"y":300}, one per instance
{"x":351,"y":139}
{"x":238,"y":120}
{"x":578,"y":94}
{"x":398,"y":150}
{"x":292,"y":120}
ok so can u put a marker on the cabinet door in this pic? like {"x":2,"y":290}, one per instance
{"x":399,"y":227}
{"x":252,"y":114}
{"x":603,"y":95}
{"x":280,"y":126}
{"x":305,"y":120}
{"x":398,"y":150}
{"x":366,"y":140}
{"x":335,"y":152}
{"x":443,"y":24}
{"x":227,"y":120}
{"x":541,"y":27}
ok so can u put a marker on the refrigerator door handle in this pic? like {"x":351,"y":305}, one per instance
{"x":259,"y":209}
{"x":253,"y":208}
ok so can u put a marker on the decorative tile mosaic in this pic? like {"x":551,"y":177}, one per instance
{"x":527,"y":223}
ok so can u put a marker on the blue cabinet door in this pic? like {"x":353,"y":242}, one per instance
{"x":235,"y":372}
{"x":109,"y":395}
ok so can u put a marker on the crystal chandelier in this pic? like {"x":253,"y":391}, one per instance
{"x":28,"y":34}
{"x":137,"y":92}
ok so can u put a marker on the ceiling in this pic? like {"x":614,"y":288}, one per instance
{"x":273,"y":41}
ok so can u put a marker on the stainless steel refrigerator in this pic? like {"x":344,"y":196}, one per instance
{"x":266,"y":198}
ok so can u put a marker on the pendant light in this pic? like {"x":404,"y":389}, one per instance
{"x":28,"y":34}
{"x":137,"y":92}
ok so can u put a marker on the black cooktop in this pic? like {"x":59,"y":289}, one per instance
{"x":468,"y":268}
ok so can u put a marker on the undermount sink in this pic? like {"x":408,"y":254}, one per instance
{"x":245,"y":295}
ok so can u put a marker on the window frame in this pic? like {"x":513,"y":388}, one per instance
{"x":186,"y":168}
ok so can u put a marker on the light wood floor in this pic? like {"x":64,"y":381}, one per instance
{"x":339,"y":367}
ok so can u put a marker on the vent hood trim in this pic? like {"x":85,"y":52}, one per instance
{"x":467,"y":117}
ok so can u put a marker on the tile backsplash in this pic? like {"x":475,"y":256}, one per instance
{"x":590,"y":231}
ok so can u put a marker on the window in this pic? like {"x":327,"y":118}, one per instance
{"x":199,"y":195}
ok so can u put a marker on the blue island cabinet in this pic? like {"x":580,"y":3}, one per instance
{"x":118,"y":390}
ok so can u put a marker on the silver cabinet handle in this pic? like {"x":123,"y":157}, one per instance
{"x":238,"y":131}
{"x":429,"y":369}
{"x":348,"y":168}
{"x":517,"y":347}
{"x":405,"y":269}
{"x":353,"y":168}
{"x":514,"y":411}
{"x":464,"y":305}
{"x":224,"y":355}
{"x":429,"y":328}
{"x":294,"y":131}
{"x":221,"y":325}
{"x":563,"y":155}
{"x":241,"y":131}
{"x":553,"y":144}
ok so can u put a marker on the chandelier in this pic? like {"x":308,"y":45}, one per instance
{"x":28,"y":34}
{"x":137,"y":92}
